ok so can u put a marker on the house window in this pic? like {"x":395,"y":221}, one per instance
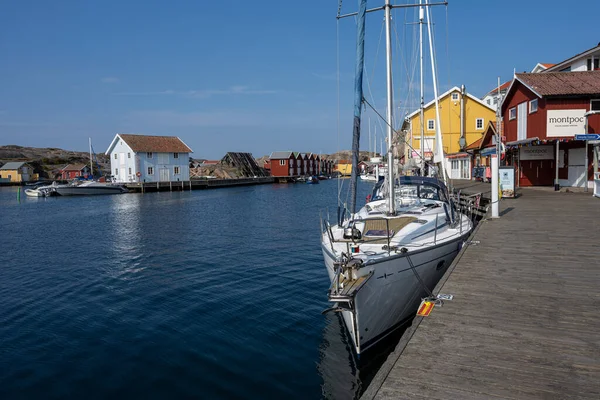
{"x":430,"y":125}
{"x":595,"y":105}
{"x":129,"y":171}
{"x":116,"y":171}
{"x":281,"y":162}
{"x":489,"y":102}
{"x":568,"y":69}
{"x":479,"y":123}
{"x":176,"y":170}
{"x":454,"y":96}
{"x":533,"y":104}
{"x":116,"y":156}
{"x":512,"y":113}
{"x":128,"y":155}
{"x":150,"y":171}
{"x":495,"y":100}
{"x":175,"y":155}
{"x":149,"y":154}
{"x":592,"y":64}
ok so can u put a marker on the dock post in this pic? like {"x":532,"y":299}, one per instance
{"x":190,"y":185}
{"x":170,"y":186}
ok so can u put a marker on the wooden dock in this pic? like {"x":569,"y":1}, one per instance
{"x":524,"y":322}
{"x":196,"y":184}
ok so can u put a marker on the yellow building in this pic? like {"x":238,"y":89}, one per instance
{"x":453,"y":104}
{"x":344,"y":167}
{"x":16,"y":172}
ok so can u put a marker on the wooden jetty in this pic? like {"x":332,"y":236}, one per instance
{"x":524,"y":321}
{"x":195,"y":184}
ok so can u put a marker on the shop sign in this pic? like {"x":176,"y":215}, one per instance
{"x":561,"y":123}
{"x":537,"y":153}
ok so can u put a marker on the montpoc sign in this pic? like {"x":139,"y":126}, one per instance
{"x":565,"y":122}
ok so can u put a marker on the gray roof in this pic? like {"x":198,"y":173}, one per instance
{"x":278,"y":155}
{"x":13,"y":165}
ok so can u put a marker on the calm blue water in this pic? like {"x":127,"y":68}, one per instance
{"x":211,"y":294}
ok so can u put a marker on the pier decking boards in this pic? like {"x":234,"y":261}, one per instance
{"x":524,"y":322}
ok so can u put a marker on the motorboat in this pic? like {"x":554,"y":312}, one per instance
{"x":88,"y":188}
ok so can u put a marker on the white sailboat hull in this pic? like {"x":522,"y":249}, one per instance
{"x":393,"y":293}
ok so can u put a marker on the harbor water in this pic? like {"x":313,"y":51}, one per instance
{"x":211,"y":294}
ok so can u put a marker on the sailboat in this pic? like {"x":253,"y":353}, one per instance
{"x":384,"y":258}
{"x":91,"y":187}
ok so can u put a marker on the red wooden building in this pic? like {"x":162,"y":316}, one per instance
{"x":542,"y":113}
{"x":283,"y":163}
{"x":73,"y":171}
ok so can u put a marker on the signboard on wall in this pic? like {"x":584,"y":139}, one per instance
{"x":565,"y":122}
{"x":545,"y":152}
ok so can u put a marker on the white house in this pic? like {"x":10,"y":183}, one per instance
{"x":142,"y":158}
{"x":588,"y":60}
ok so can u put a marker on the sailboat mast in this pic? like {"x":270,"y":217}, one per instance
{"x":91,"y":160}
{"x":390,"y":105}
{"x":439,"y":153}
{"x":358,"y":97}
{"x":422,"y":106}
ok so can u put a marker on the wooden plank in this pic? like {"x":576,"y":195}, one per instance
{"x":523,"y":323}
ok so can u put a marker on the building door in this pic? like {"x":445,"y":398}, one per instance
{"x":522,"y":121}
{"x":577,"y":168}
{"x":122,"y":175}
{"x":122,"y":158}
{"x":164,"y":174}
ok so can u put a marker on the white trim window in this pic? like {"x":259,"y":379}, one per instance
{"x":116,"y":156}
{"x":176,"y":170}
{"x":430,"y":124}
{"x":512,"y":113}
{"x":454,"y":96}
{"x":281,"y":162}
{"x":175,"y":155}
{"x":150,"y":170}
{"x":533,"y":106}
{"x":595,"y":105}
{"x":128,"y":155}
{"x":149,"y":154}
{"x":116,"y":171}
{"x":479,"y":123}
{"x":129,"y":171}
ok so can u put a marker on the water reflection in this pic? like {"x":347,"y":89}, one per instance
{"x":125,"y":229}
{"x":344,"y":375}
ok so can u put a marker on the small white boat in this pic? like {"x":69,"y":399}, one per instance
{"x":43,"y":191}
{"x":89,"y":188}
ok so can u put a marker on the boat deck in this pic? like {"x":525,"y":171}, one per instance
{"x":523,"y":323}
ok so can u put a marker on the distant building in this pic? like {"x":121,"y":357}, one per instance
{"x":344,"y":167}
{"x":463,"y":119}
{"x":541,"y":67}
{"x":491,"y":99}
{"x":143,"y":158}
{"x":588,"y":60}
{"x":74,"y":171}
{"x":283,"y":163}
{"x":16,"y":172}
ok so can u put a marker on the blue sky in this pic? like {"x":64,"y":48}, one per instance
{"x":255,"y":76}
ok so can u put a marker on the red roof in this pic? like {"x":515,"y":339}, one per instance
{"x":74,"y":167}
{"x":156,"y":144}
{"x":505,"y":85}
{"x":562,"y":83}
{"x":475,"y":145}
{"x":547,"y":65}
